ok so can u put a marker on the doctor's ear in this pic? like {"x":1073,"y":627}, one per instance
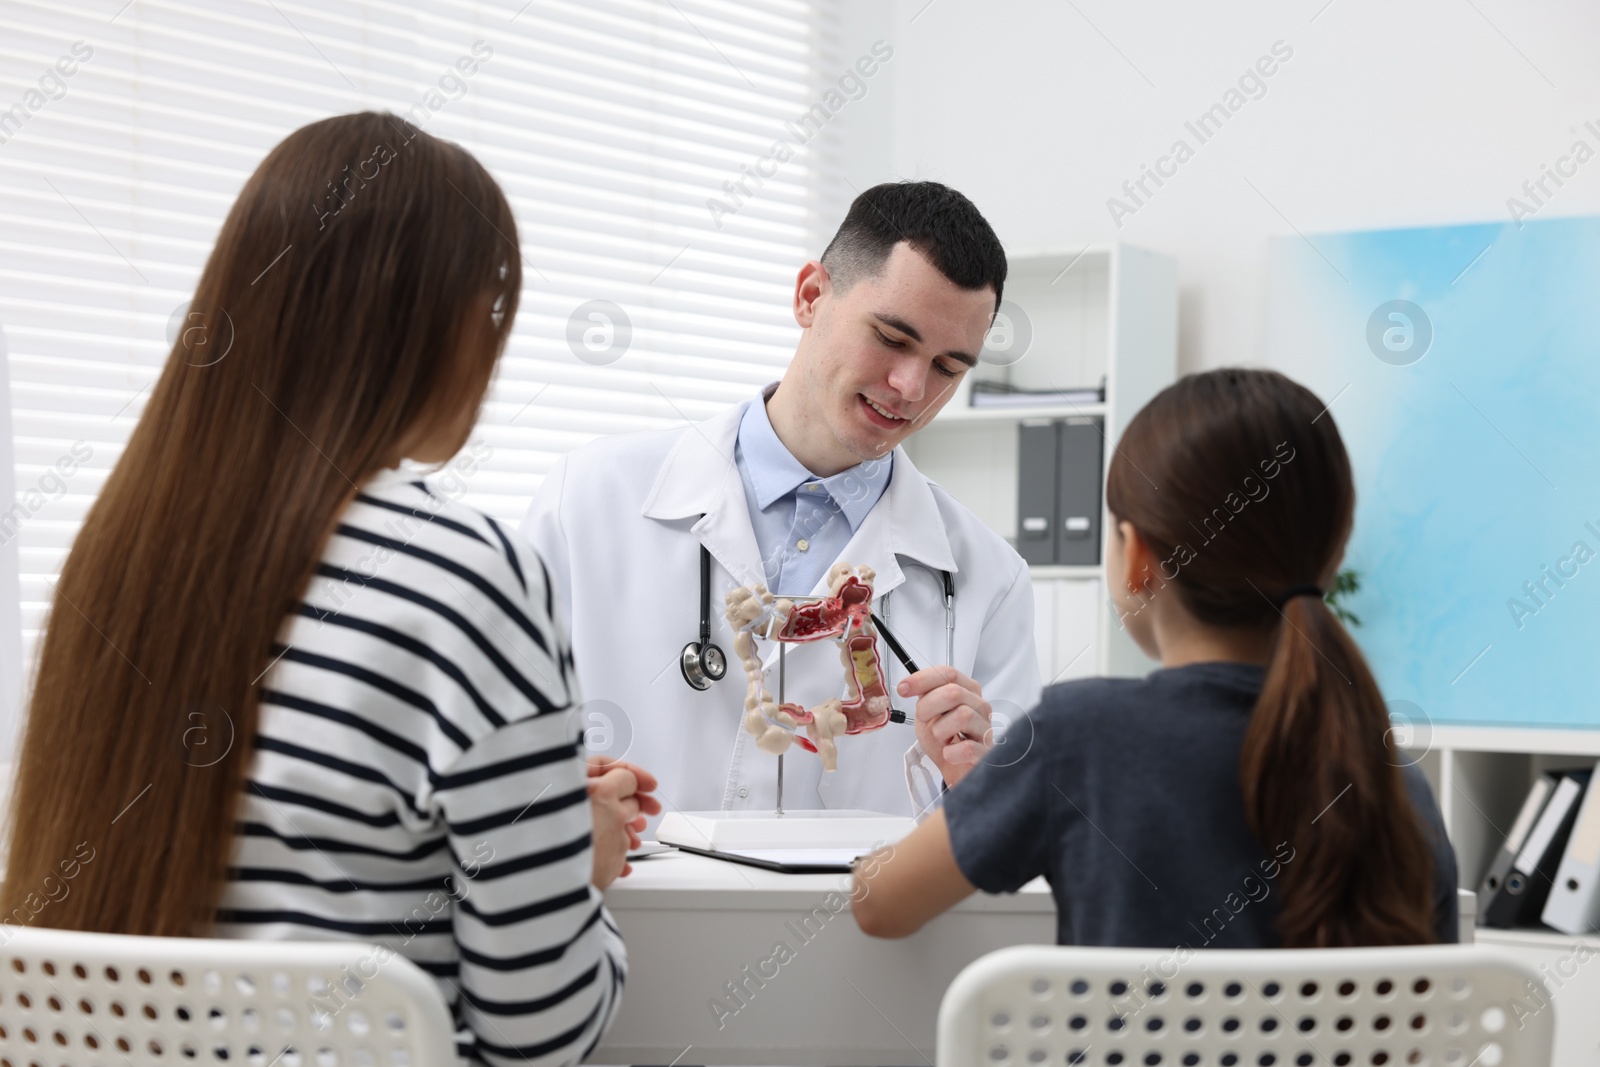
{"x":810,"y":287}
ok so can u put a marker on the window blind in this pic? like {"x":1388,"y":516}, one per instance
{"x":634,"y":138}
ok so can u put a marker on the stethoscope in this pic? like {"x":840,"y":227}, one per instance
{"x":704,"y":663}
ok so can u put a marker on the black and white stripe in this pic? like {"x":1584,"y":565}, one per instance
{"x":417,"y":779}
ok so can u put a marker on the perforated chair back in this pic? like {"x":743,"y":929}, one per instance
{"x":69,"y":999}
{"x":1444,"y":1006}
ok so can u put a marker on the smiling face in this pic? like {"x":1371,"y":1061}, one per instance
{"x":877,"y":361}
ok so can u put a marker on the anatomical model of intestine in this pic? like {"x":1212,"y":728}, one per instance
{"x":845,"y":615}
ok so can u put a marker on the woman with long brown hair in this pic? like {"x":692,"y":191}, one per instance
{"x":287,"y":690}
{"x":1248,"y":793}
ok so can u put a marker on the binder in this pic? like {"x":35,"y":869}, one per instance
{"x":1532,"y":805}
{"x":1058,"y":491}
{"x":1521,"y":898}
{"x":1574,"y":904}
{"x":1078,"y":493}
{"x":1037,"y":459}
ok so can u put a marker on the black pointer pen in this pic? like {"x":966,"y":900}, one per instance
{"x":895,"y":646}
{"x":895,"y":714}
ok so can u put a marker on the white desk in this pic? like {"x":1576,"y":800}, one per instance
{"x":833,"y":997}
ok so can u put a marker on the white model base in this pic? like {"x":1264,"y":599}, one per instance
{"x":728,"y":831}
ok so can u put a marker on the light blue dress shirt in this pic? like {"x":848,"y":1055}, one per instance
{"x":802,"y":522}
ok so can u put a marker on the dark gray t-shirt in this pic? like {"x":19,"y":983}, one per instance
{"x":1124,"y":793}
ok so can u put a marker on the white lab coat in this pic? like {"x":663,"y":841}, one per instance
{"x":619,"y":523}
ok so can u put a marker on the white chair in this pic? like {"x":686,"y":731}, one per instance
{"x":1445,"y":1006}
{"x":70,"y":998}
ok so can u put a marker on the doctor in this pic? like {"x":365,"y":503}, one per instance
{"x":809,"y":472}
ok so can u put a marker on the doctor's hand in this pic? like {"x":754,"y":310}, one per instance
{"x":952,"y":719}
{"x":619,"y":800}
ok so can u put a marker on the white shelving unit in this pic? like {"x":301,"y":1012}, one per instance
{"x":1480,"y":775}
{"x":1107,"y":312}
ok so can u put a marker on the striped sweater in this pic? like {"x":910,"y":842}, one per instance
{"x":417,"y":780}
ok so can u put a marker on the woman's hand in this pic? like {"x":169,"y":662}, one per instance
{"x":619,"y":801}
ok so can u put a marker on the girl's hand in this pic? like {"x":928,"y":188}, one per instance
{"x":900,"y":887}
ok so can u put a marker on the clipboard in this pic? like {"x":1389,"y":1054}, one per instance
{"x":786,"y":861}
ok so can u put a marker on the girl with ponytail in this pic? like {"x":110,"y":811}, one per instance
{"x":1247,"y":794}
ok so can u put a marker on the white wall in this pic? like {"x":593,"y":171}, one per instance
{"x":1389,"y":113}
{"x":12,"y":669}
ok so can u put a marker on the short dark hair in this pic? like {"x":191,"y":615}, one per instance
{"x":934,"y":219}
